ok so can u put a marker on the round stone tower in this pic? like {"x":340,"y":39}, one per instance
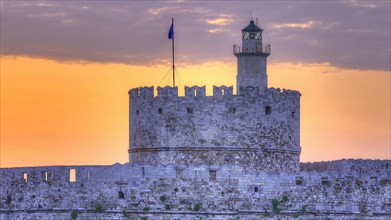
{"x":258,"y":128}
{"x":251,"y":55}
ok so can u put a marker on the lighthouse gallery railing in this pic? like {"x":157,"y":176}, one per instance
{"x":258,"y":48}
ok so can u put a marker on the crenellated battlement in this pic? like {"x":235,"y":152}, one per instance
{"x":218,"y":91}
{"x":195,"y":91}
{"x":223,"y":90}
{"x":167,"y":91}
{"x":144,"y":92}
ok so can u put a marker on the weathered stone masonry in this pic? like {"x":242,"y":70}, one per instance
{"x":253,"y":130}
{"x":342,"y":189}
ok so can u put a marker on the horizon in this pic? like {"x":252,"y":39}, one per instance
{"x":66,"y":69}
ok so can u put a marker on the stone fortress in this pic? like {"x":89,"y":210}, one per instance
{"x":223,"y":156}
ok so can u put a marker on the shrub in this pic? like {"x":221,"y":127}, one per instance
{"x":146,"y":209}
{"x":222,"y":193}
{"x":144,"y":218}
{"x":197,"y":207}
{"x":284,"y":199}
{"x":74,"y":214}
{"x":304,"y":208}
{"x":99,"y":208}
{"x":176,"y":189}
{"x":275,"y":204}
{"x":168,"y":207}
{"x":163,"y":198}
{"x":296,"y":215}
{"x":124,"y":212}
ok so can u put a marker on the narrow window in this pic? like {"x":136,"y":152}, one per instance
{"x":256,"y":189}
{"x":325,"y":181}
{"x":136,"y":112}
{"x":195,"y":92}
{"x":45,"y":176}
{"x":268,"y":110}
{"x":72,"y":175}
{"x":212,"y":175}
{"x":143,"y":171}
{"x":160,"y":111}
{"x":121,"y":195}
{"x":222,"y":92}
{"x":293,"y":114}
{"x":299,"y":180}
{"x":190,"y":110}
{"x":88,"y":175}
{"x":25,"y":177}
{"x":232,"y":110}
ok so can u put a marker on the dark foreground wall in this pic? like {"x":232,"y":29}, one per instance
{"x":193,"y":192}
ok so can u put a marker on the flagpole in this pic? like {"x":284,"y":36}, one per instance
{"x":173,"y":56}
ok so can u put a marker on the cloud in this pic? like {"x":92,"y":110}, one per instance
{"x":295,"y":25}
{"x":342,"y":33}
{"x":222,"y":20}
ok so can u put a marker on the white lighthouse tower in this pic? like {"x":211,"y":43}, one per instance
{"x":251,"y":55}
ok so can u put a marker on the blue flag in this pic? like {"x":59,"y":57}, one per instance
{"x":171,"y":32}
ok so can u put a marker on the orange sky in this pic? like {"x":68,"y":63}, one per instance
{"x":77,"y":113}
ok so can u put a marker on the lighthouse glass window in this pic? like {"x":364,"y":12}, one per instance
{"x":251,"y":35}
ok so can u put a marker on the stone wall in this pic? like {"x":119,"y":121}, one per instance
{"x":257,"y":131}
{"x":220,"y":192}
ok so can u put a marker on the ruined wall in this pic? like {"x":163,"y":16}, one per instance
{"x":165,"y":192}
{"x":259,"y":132}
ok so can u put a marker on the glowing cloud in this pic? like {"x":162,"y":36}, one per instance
{"x":306,"y":25}
{"x":215,"y":30}
{"x":222,"y":20}
{"x":166,"y":9}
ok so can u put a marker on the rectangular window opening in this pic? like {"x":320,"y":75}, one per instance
{"x":268,"y":110}
{"x":72,"y":175}
{"x":121,"y":195}
{"x":293,"y":114}
{"x":45,"y":176}
{"x":212,"y":175}
{"x":325,"y":181}
{"x":160,"y":111}
{"x":299,"y":180}
{"x":25,"y":177}
{"x":232,"y":110}
{"x":88,"y":175}
{"x":256,"y":189}
{"x":136,"y":112}
{"x":190,"y":110}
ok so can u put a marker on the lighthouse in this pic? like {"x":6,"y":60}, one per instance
{"x":251,"y":59}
